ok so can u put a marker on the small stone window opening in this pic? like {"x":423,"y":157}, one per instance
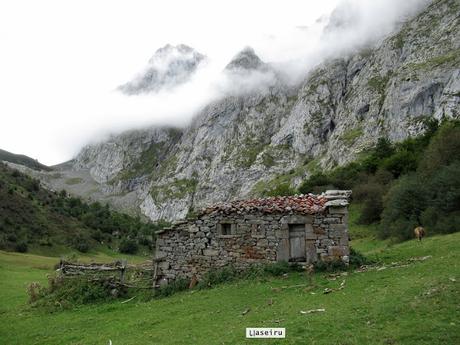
{"x":226,"y":229}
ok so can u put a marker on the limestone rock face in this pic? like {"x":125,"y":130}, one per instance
{"x":279,"y":134}
{"x":111,"y":158}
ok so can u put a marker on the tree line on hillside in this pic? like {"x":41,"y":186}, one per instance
{"x":32,"y":215}
{"x":402,"y":185}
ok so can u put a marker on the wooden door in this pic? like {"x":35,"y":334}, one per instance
{"x":297,"y":243}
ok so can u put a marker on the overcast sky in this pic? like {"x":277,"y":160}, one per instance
{"x":60,"y":61}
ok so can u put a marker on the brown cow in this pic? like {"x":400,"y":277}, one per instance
{"x":419,"y":232}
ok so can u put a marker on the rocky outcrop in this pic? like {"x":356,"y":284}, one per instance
{"x":242,"y":144}
{"x":245,"y":60}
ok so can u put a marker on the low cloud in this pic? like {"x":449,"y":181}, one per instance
{"x":350,"y":27}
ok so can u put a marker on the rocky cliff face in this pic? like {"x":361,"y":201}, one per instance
{"x":240,"y":144}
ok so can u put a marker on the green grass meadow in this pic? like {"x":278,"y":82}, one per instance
{"x":417,"y":302}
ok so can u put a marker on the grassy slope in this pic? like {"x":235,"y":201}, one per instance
{"x":417,"y":304}
{"x":23,"y":160}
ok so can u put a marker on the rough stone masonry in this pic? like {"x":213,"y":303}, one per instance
{"x":304,"y":228}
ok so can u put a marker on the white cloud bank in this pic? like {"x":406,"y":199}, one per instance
{"x":61,"y":61}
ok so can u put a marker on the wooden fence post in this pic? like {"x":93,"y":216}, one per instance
{"x":61,"y":266}
{"x":154,"y":278}
{"x":123,"y":268}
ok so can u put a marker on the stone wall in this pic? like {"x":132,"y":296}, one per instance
{"x":191,"y":248}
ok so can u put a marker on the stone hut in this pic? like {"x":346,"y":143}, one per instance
{"x":303,"y":229}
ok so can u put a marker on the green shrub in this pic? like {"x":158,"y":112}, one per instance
{"x":346,"y":177}
{"x":404,"y":205}
{"x":32,"y":185}
{"x":12,"y":237}
{"x":3,"y":243}
{"x":401,"y":162}
{"x":145,"y":241}
{"x":282,"y":189}
{"x":65,"y":292}
{"x":230,"y":273}
{"x":128,"y":246}
{"x":21,"y":247}
{"x":45,"y":242}
{"x":357,"y":259}
{"x":173,"y":287}
{"x":330,"y":266}
{"x":98,"y":235}
{"x":382,"y":177}
{"x":444,"y":193}
{"x":80,"y":243}
{"x":219,"y":276}
{"x":277,"y":269}
{"x":370,"y":194}
{"x":446,"y":224}
{"x":314,"y":181}
{"x":443,"y":149}
{"x":444,"y":188}
{"x":372,"y":209}
{"x":382,"y":150}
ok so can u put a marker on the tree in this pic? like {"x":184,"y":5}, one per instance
{"x":403,"y":207}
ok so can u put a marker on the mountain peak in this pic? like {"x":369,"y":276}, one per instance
{"x":169,"y":50}
{"x":246,"y":59}
{"x":169,"y":67}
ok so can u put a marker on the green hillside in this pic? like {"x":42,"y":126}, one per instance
{"x":23,"y":160}
{"x":412,"y":296}
{"x":35,"y":219}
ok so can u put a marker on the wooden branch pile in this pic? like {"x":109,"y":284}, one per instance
{"x":69,"y":268}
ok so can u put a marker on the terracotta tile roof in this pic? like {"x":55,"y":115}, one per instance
{"x":304,"y":204}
